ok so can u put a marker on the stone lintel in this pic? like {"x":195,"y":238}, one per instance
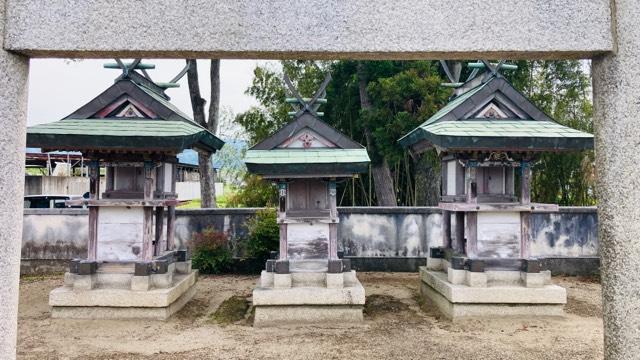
{"x":354,"y":29}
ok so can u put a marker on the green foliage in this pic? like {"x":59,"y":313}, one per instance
{"x":562,"y":89}
{"x":211,"y":254}
{"x":268,"y":89}
{"x":254,"y":193}
{"x":264,"y":234}
{"x":403,"y":94}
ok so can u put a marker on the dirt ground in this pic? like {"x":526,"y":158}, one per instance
{"x":397,"y":326}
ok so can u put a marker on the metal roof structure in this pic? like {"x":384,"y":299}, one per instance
{"x":488,"y":113}
{"x":134,"y":114}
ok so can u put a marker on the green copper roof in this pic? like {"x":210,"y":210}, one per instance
{"x":163,"y":101}
{"x":306,"y":156}
{"x":502,"y":133}
{"x":453,"y":104}
{"x":463,"y":124}
{"x":325,"y":161}
{"x":121,"y":133}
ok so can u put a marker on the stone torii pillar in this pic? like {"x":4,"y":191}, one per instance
{"x":616,"y":94}
{"x":13,"y":121}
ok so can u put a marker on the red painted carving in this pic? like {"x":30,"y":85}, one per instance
{"x":307,"y":140}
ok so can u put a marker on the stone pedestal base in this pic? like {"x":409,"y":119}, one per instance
{"x":112,"y":295}
{"x":310,"y":298}
{"x":502,"y":293}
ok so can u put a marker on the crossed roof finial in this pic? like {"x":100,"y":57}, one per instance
{"x":453,"y":70}
{"x":137,"y":64}
{"x":301,"y":105}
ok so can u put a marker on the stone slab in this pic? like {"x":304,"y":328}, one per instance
{"x":122,"y":313}
{"x":105,"y":297}
{"x":352,"y":293}
{"x":373,"y":29}
{"x":506,"y":294}
{"x":301,"y":315}
{"x":457,"y":311}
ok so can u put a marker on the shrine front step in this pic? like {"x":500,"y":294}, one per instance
{"x":105,"y":303}
{"x":459,"y":301}
{"x":308,"y":299}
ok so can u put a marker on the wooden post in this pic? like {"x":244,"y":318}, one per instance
{"x":282,"y":214}
{"x":147,"y":234}
{"x":282,"y":200}
{"x":472,"y":234}
{"x":158,"y":248}
{"x":444,"y":178}
{"x":471,"y":183}
{"x":525,"y":218}
{"x":283,"y":242}
{"x":333,"y":227}
{"x":171,"y":211}
{"x":94,"y":180}
{"x":110,"y":178}
{"x":446,"y":229}
{"x":149,"y":179}
{"x":171,"y":228}
{"x":94,"y":194}
{"x":459,"y":245}
{"x":525,"y":183}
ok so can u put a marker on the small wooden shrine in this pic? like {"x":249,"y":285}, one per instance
{"x":133,"y":132}
{"x":307,"y":282}
{"x":488,"y":137}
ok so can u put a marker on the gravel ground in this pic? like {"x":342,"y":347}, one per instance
{"x":398,"y":325}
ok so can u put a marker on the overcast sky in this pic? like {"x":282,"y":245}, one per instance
{"x":58,"y":87}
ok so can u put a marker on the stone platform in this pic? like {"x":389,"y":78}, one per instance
{"x":308,"y":297}
{"x":115,"y":292}
{"x":460,"y":293}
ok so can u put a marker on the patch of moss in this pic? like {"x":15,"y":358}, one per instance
{"x":231,"y":310}
{"x":376,"y":305}
{"x":31,"y":278}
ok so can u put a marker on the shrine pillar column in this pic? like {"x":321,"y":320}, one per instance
{"x":13,"y":122}
{"x":616,"y":87}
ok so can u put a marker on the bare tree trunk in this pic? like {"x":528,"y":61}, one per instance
{"x":207,"y":172}
{"x":427,"y":182}
{"x":382,"y":180}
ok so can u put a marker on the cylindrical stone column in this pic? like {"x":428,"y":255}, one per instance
{"x":616,"y":94}
{"x":13,"y":119}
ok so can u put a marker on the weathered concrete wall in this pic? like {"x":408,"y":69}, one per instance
{"x":77,"y":185}
{"x":389,"y":232}
{"x":381,"y":238}
{"x":310,"y":28}
{"x":570,"y":233}
{"x":57,"y":185}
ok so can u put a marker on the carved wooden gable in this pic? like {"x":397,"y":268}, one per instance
{"x":306,"y":139}
{"x":307,"y":132}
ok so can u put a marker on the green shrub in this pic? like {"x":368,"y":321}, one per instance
{"x":254,"y":193}
{"x":210,"y":251}
{"x":264,"y":234}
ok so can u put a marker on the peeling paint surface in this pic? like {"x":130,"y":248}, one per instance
{"x":308,"y":241}
{"x":55,"y":236}
{"x":499,"y":234}
{"x":406,"y":235}
{"x":564,"y":234}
